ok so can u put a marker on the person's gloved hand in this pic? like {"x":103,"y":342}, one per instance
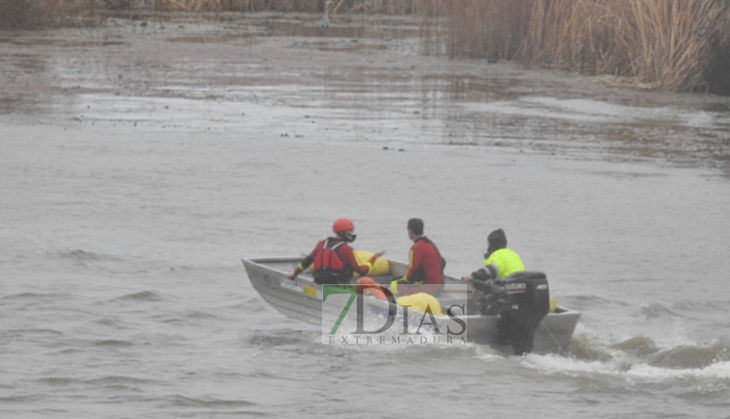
{"x":484,"y":286}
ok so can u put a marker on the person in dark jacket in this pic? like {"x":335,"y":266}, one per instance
{"x":333,"y":259}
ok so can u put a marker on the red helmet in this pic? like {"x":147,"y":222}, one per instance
{"x":342,"y":224}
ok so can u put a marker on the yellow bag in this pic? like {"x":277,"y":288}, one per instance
{"x":380,"y":267}
{"x":420,"y":302}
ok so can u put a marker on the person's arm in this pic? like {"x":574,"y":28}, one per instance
{"x":487,"y":273}
{"x":306,"y":262}
{"x":497,"y":264}
{"x":483,"y":278}
{"x":349,"y":255}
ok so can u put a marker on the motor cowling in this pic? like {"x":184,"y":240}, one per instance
{"x":521,"y":300}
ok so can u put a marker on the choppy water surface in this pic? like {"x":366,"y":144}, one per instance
{"x":140,"y":163}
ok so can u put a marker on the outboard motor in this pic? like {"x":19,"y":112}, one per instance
{"x":521,"y":300}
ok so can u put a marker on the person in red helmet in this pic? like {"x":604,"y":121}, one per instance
{"x":333,"y":259}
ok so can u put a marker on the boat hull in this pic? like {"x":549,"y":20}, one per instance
{"x":301,"y":300}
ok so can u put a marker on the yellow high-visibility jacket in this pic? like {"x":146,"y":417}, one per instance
{"x":506,"y":261}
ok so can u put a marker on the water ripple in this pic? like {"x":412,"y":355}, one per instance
{"x":34,"y":296}
{"x":36,"y":332}
{"x":638,"y":345}
{"x":655,"y":311}
{"x":279,"y":338}
{"x":113,"y":343}
{"x":208,"y":402}
{"x":140,"y":296}
{"x":119,"y":380}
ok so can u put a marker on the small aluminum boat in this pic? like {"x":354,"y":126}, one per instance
{"x":301,"y":299}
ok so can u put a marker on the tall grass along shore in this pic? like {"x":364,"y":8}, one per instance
{"x":671,"y":45}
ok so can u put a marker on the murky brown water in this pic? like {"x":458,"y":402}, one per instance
{"x":139,"y":163}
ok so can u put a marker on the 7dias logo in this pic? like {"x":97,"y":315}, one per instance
{"x":373,"y":315}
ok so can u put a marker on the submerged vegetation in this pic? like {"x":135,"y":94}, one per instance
{"x":672,"y":45}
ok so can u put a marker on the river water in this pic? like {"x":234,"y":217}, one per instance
{"x":141,"y":161}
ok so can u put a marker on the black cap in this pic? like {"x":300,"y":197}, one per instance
{"x":497,"y":239}
{"x":416,"y":226}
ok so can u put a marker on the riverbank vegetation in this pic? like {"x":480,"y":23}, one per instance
{"x":671,"y":45}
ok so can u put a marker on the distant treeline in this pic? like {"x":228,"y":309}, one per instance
{"x":672,"y":45}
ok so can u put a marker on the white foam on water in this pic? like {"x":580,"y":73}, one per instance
{"x":625,"y":367}
{"x":556,"y":364}
{"x":644,"y":372}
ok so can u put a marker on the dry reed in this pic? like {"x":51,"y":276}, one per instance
{"x":663,"y":44}
{"x":479,"y":28}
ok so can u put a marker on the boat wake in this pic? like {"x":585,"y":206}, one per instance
{"x":640,"y":360}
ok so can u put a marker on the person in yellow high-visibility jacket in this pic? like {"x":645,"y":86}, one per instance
{"x":518,"y":315}
{"x":498,"y":261}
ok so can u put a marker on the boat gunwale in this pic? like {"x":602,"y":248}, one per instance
{"x":260,"y":262}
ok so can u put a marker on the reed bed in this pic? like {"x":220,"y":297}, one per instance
{"x":479,"y":28}
{"x":673,"y":45}
{"x":662,"y":44}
